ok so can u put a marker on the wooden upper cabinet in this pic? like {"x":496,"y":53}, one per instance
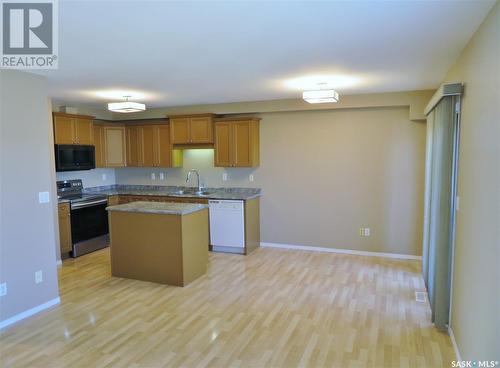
{"x":156,"y":148}
{"x":133,"y":145}
{"x":99,"y":145}
{"x":64,"y":130}
{"x":242,"y":144}
{"x":73,"y":129}
{"x":193,"y":129}
{"x":179,"y":132}
{"x":163,"y":146}
{"x":147,"y":155}
{"x":222,"y":144}
{"x":84,"y":131}
{"x":237,"y":142}
{"x":114,"y":146}
{"x":201,"y":129}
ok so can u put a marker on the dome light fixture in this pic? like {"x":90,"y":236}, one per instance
{"x":321,"y":95}
{"x":126,"y":106}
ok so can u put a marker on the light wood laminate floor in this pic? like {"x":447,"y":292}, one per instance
{"x":273,"y":308}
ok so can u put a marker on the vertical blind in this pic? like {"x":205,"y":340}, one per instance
{"x":439,"y":207}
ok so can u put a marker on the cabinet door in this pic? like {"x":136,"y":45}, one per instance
{"x":64,"y":228}
{"x":163,"y":148}
{"x":113,"y":200}
{"x":223,"y":155}
{"x":83,"y":131}
{"x":148,"y":151}
{"x":133,"y":145}
{"x":201,"y":130}
{"x":179,"y":130}
{"x":241,"y":140}
{"x":99,"y":145}
{"x":64,"y":130}
{"x":114,"y":146}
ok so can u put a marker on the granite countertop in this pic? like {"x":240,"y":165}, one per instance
{"x":173,"y":191}
{"x":159,"y":208}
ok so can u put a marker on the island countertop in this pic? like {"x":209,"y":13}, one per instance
{"x":162,"y":208}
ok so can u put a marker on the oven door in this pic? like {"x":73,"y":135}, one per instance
{"x":89,"y":220}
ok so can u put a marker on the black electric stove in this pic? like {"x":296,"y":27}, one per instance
{"x":89,"y":220}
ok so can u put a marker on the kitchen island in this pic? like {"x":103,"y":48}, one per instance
{"x":165,"y":243}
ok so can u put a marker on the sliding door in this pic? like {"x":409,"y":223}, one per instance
{"x":439,"y":209}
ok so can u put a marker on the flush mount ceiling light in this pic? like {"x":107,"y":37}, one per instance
{"x":126,"y":106}
{"x":321,"y":95}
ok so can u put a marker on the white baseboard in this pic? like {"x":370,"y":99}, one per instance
{"x":29,"y":312}
{"x":454,"y":343}
{"x":344,"y":251}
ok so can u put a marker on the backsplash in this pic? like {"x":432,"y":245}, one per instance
{"x":199,"y":159}
{"x":90,"y":178}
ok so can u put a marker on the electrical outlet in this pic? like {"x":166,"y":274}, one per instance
{"x":250,"y":177}
{"x":38,"y":276}
{"x":43,"y":197}
{"x":3,"y":289}
{"x":224,"y":176}
{"x":364,"y":231}
{"x":162,"y":176}
{"x":103,"y":177}
{"x":153,"y":176}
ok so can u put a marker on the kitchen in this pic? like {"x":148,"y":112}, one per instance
{"x":82,"y":143}
{"x":250,"y":184}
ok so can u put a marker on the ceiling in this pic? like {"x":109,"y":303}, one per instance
{"x":182,"y":53}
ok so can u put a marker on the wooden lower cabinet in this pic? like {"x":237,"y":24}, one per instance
{"x":113,"y":200}
{"x":132,"y":198}
{"x":251,"y":213}
{"x":65,"y":242}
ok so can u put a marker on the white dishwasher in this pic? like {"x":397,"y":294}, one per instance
{"x":227,"y":226}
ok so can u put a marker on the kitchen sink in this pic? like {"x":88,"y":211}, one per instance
{"x":192,"y":192}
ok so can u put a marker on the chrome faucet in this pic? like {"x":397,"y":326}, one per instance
{"x":197,"y":175}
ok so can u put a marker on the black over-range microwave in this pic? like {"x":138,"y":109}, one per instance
{"x":71,"y":157}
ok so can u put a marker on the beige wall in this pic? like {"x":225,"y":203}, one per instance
{"x":476,"y":279}
{"x":28,"y":236}
{"x":325,"y":174}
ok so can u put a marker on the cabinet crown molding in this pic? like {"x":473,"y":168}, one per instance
{"x":55,"y":113}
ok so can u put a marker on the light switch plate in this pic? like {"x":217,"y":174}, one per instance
{"x":367,"y":231}
{"x":250,"y":177}
{"x":153,"y":176}
{"x":162,"y":176}
{"x":38,"y":276}
{"x":224,"y":176}
{"x":43,"y":197}
{"x":3,"y":289}
{"x":104,"y":177}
